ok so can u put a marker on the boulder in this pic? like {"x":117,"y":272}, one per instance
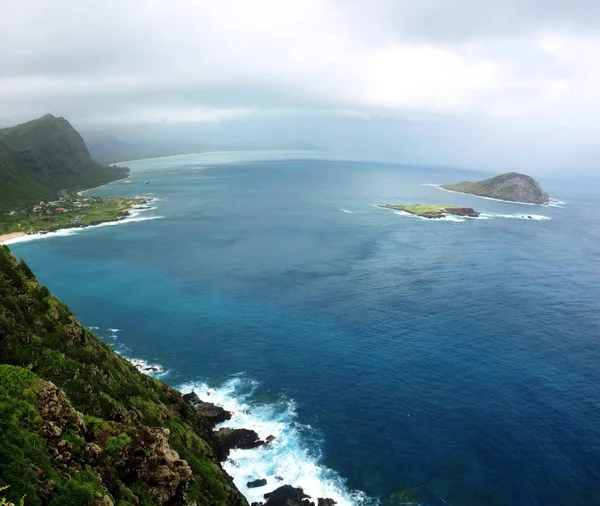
{"x":256,"y":483}
{"x":229,"y":439}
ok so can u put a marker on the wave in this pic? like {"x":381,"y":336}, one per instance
{"x":448,"y":217}
{"x":65,"y":232}
{"x":150,"y":368}
{"x":289,"y":459}
{"x":346,"y":211}
{"x":515,"y":216}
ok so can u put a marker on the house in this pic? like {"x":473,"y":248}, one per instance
{"x":61,"y":210}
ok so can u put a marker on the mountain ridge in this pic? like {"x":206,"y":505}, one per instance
{"x":40,"y":157}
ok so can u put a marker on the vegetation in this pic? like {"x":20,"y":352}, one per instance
{"x":89,"y":442}
{"x":419,"y":209}
{"x":72,"y":213}
{"x":433,"y":211}
{"x":43,"y":156}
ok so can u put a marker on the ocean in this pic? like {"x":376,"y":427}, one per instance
{"x":395,"y":359}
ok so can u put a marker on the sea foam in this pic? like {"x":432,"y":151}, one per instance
{"x":289,"y":459}
{"x":293,"y":458}
{"x":134,"y":217}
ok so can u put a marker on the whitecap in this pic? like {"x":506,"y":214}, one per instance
{"x":289,"y":456}
{"x":65,"y":232}
{"x":151,"y":369}
{"x":448,"y":217}
{"x":516,"y":216}
{"x":346,"y":211}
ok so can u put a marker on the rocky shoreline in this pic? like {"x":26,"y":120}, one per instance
{"x":226,"y":439}
{"x":432,"y":211}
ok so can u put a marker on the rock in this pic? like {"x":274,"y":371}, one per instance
{"x":325,"y":502}
{"x":229,"y":439}
{"x":256,"y":483}
{"x":287,"y":495}
{"x":191,"y":398}
{"x":212,"y":413}
{"x":269,"y":440}
{"x":92,"y":453}
{"x":462,"y":211}
{"x":150,"y":459}
{"x":102,"y":500}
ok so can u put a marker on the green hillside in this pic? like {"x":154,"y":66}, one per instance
{"x":79,"y":425}
{"x":43,"y":156}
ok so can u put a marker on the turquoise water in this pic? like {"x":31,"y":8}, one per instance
{"x":455,"y":359}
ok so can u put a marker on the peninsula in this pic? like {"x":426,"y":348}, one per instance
{"x":433,"y":211}
{"x":512,"y":186}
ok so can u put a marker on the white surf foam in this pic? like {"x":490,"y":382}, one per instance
{"x":134,"y":218}
{"x":289,"y":456}
{"x":516,"y":216}
{"x":448,"y":217}
{"x":346,"y":211}
{"x":155,"y":370}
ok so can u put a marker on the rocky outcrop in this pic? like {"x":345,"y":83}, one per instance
{"x":462,"y":211}
{"x":150,"y":458}
{"x":291,"y":496}
{"x":511,"y":186}
{"x":256,"y":483}
{"x":230,"y":439}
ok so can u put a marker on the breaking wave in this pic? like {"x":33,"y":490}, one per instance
{"x":289,"y":459}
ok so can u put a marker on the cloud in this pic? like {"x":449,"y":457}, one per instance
{"x":206,"y":61}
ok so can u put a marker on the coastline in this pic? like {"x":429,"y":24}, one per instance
{"x":9,"y":237}
{"x":546,"y":204}
{"x":131,"y":215}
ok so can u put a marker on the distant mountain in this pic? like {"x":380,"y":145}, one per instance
{"x":110,"y":149}
{"x":511,"y":186}
{"x":43,"y":156}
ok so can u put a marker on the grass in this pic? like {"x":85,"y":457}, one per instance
{"x":419,"y":209}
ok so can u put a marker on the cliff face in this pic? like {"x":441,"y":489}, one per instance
{"x":511,"y":186}
{"x":45,"y":155}
{"x":80,"y":425}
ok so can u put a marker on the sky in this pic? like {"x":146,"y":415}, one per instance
{"x":471,"y":82}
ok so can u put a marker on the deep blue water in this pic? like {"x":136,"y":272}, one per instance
{"x":458,"y":360}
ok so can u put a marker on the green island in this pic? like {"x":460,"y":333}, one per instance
{"x":432,"y":211}
{"x":67,"y":212}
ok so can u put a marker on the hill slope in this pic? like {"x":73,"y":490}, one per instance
{"x":79,"y":425}
{"x":43,"y":156}
{"x":511,"y":186}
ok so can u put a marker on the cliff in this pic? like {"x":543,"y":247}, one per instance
{"x":43,"y":156}
{"x":81,"y":425}
{"x":511,"y":186}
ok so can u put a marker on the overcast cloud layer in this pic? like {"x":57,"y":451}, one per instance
{"x":105,"y":63}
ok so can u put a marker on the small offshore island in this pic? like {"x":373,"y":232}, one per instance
{"x":433,"y":211}
{"x":512,"y":186}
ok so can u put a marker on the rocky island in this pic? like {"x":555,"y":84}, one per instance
{"x":511,"y":186}
{"x":433,"y":211}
